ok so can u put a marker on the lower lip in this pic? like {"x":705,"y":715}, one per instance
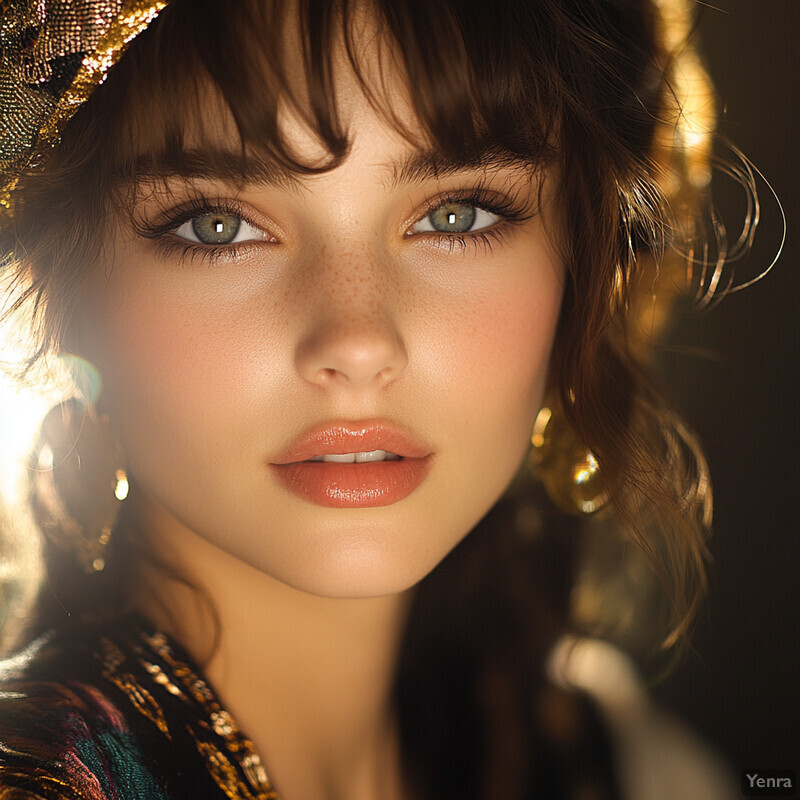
{"x":368,"y":485}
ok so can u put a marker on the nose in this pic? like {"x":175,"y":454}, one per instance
{"x":352,"y":339}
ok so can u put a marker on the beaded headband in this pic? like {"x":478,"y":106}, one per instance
{"x":53,"y":54}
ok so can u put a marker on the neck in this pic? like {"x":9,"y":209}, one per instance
{"x":307,"y":678}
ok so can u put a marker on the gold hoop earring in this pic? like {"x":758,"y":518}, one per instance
{"x":78,"y":481}
{"x":562,"y":462}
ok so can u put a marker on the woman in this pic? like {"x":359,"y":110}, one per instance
{"x":336,"y":266}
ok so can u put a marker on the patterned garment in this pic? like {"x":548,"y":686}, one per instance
{"x":118,"y":714}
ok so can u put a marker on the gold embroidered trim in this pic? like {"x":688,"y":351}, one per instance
{"x":227,"y":753}
{"x":144,"y":702}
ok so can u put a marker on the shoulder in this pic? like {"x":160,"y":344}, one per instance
{"x":658,"y":757}
{"x":62,"y":737}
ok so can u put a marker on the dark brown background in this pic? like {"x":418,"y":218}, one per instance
{"x":741,"y":688}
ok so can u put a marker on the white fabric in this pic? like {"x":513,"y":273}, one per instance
{"x":659,"y":758}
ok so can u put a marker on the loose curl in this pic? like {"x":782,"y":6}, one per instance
{"x":592,"y":86}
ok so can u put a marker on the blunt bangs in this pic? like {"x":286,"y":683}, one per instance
{"x":477,"y":86}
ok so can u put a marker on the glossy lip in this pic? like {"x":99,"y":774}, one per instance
{"x":350,"y":437}
{"x":364,"y":485}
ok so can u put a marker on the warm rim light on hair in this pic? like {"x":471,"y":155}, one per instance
{"x":22,"y":409}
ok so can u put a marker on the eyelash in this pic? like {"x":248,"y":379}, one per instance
{"x":170,"y":245}
{"x":511,"y":211}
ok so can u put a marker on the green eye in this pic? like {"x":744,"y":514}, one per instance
{"x":218,"y":227}
{"x":453,"y":218}
{"x":456,"y":218}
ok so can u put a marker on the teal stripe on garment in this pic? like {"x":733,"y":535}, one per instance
{"x":117,"y":763}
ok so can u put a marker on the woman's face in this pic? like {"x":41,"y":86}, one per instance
{"x":244,"y":330}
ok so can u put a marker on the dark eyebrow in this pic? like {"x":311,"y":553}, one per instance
{"x":219,"y":165}
{"x":422,"y":165}
{"x":247,"y":169}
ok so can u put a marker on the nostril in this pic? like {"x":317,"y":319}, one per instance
{"x":386,"y":375}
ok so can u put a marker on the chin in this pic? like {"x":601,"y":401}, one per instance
{"x":363,"y":563}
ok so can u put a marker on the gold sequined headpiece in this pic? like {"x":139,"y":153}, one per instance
{"x":53,"y":54}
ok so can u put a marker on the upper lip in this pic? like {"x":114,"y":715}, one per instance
{"x":352,"y":437}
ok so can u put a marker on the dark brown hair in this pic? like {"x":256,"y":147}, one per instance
{"x":583,"y":83}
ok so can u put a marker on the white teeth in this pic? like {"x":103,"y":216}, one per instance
{"x":375,"y":455}
{"x":357,"y":458}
